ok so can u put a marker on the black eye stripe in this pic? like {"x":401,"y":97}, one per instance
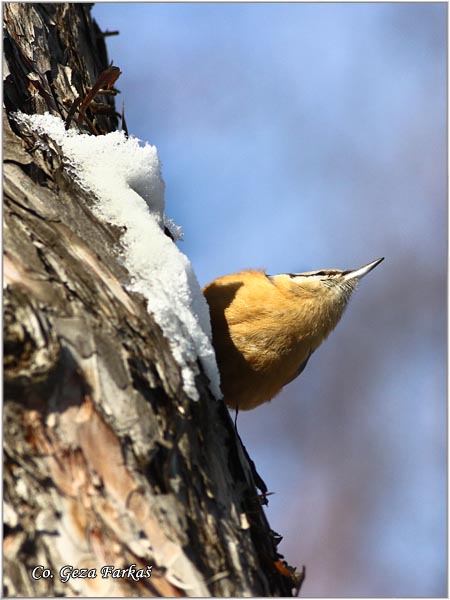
{"x":327,"y":273}
{"x":323,"y":273}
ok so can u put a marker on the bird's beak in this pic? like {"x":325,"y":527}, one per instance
{"x":359,"y":273}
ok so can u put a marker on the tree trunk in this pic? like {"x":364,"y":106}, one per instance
{"x":107,"y":461}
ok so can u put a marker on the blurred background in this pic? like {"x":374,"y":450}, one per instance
{"x":307,"y":136}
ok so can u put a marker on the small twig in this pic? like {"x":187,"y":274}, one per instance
{"x":103,"y":85}
{"x":103,"y":34}
{"x":124,"y":123}
{"x":105,"y":81}
{"x":73,"y":108}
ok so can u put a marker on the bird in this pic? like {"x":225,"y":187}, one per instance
{"x":266,"y":327}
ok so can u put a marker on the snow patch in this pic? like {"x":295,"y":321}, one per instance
{"x":124,"y":174}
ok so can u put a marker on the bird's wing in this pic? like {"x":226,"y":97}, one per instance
{"x":301,"y":368}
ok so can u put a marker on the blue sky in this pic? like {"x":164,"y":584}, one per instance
{"x":298,"y":136}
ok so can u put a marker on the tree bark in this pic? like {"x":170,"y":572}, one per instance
{"x":106,"y":460}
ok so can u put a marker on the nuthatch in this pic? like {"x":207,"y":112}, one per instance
{"x":265,"y":327}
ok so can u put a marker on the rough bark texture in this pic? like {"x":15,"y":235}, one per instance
{"x":106,"y":460}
